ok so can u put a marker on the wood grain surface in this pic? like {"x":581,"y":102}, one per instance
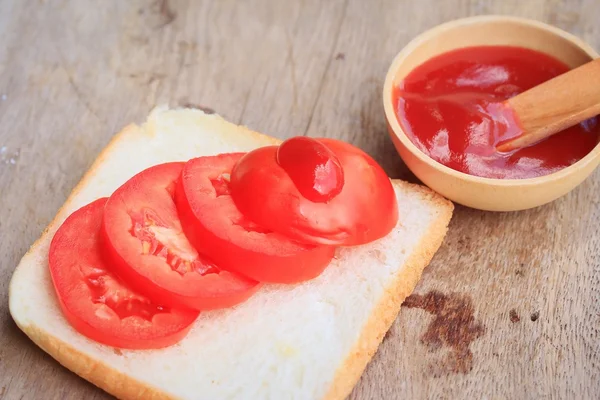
{"x":510,"y":305}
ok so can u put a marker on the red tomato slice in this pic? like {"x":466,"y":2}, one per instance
{"x":364,"y":210}
{"x":95,"y":301}
{"x":216,"y":227}
{"x":149,"y":250}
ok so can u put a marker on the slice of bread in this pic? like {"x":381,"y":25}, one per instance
{"x":306,"y":341}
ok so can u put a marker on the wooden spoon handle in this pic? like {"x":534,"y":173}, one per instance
{"x":555,"y":105}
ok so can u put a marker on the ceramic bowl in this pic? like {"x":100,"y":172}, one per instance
{"x":472,"y":191}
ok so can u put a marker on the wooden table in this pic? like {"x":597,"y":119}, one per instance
{"x":510,"y":305}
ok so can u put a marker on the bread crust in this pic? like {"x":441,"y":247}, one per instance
{"x":120,"y":385}
{"x":124,"y":386}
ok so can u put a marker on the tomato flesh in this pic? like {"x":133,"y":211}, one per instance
{"x":313,"y":167}
{"x":145,"y":241}
{"x":216,"y":227}
{"x":95,"y":301}
{"x":364,"y":210}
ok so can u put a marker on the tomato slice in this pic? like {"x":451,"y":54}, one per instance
{"x":95,"y":301}
{"x":214,"y":225}
{"x":364,"y":210}
{"x":146,"y":243}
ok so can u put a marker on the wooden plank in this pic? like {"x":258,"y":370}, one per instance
{"x":521,"y":289}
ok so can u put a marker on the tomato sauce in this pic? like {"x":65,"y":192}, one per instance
{"x":449,"y":107}
{"x":313,"y":167}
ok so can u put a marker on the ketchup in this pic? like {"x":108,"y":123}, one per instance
{"x":450,"y":108}
{"x":313,"y":167}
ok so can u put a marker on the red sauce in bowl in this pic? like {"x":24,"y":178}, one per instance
{"x":449,"y":106}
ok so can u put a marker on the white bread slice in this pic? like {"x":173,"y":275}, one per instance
{"x":306,"y":341}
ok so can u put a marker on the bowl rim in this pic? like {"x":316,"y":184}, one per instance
{"x":398,"y":131}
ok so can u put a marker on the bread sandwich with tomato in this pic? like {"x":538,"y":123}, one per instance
{"x":197,"y":259}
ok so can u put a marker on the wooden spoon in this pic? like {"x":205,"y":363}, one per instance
{"x":555,"y":105}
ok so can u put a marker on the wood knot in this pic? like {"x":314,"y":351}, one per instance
{"x":535,"y":316}
{"x":514,"y":317}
